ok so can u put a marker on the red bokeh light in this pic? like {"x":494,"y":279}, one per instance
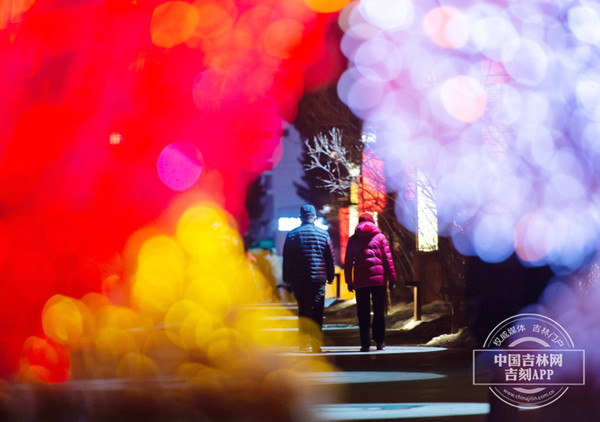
{"x":48,"y":359}
{"x":91,"y":94}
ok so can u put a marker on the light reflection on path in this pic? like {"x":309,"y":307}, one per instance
{"x":355,"y":350}
{"x":358,"y":377}
{"x":378,"y":411}
{"x":371,"y":383}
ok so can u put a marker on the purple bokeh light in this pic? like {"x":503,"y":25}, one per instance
{"x":180,"y":165}
{"x":496,"y":104}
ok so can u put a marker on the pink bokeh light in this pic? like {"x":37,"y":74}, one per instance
{"x":180,"y":165}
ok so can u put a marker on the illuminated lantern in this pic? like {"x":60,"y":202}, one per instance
{"x":372,"y":194}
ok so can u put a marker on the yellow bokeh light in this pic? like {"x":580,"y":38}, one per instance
{"x":186,"y":305}
{"x":65,"y":319}
{"x":242,"y":281}
{"x":197,"y":297}
{"x":269,"y":327}
{"x":149,"y":300}
{"x":211,"y":294}
{"x":205,"y":325}
{"x":137,"y":365}
{"x":225,"y":346}
{"x":173,"y":23}
{"x":188,"y":325}
{"x":161,"y":261}
{"x":267,"y":270}
{"x":210,"y":379}
{"x":131,"y":252}
{"x":160,"y":277}
{"x":114,"y":342}
{"x":123,"y":318}
{"x":206,"y":232}
{"x":326,"y":6}
{"x":156,"y":340}
{"x":95,"y":302}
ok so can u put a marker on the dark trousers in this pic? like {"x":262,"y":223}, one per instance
{"x":311,"y":300}
{"x":364,"y":297}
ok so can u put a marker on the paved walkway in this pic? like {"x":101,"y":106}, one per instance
{"x":407,"y":381}
{"x":401,"y":382}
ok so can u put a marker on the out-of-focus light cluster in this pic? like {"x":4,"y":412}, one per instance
{"x":193,"y":316}
{"x":496,"y":105}
{"x":243,"y":42}
{"x":111,"y":110}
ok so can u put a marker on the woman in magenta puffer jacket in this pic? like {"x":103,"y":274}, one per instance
{"x":369,"y":268}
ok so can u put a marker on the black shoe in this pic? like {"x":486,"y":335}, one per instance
{"x":380,"y":346}
{"x":365,"y":349}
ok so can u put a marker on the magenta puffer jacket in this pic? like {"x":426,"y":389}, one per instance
{"x":368,"y":258}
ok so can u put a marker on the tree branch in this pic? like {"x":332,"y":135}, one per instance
{"x":327,"y":155}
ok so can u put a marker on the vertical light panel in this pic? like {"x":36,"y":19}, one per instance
{"x":427,"y":222}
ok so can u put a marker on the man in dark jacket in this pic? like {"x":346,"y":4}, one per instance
{"x":307,"y":265}
{"x":368,"y":268}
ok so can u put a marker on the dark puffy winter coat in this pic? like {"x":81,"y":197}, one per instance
{"x":368,"y":258}
{"x":308,"y":255}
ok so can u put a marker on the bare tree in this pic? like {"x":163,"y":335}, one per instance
{"x":332,"y":160}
